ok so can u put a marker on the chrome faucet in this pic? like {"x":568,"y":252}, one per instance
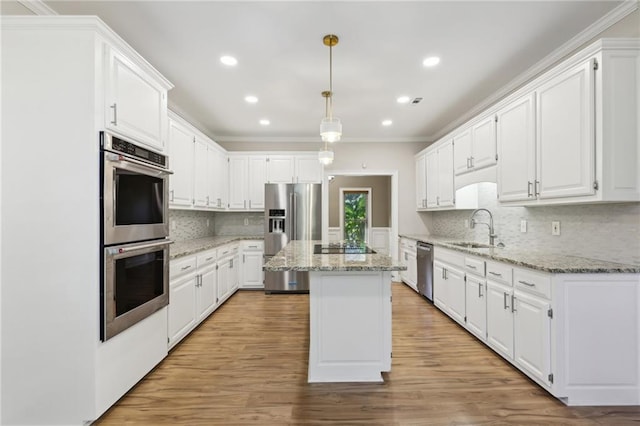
{"x":473,"y":222}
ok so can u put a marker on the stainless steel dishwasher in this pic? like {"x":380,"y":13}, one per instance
{"x":425,"y":269}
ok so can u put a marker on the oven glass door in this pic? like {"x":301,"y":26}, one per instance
{"x":135,"y":201}
{"x":136,"y":284}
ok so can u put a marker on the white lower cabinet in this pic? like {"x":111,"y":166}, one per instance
{"x":252,"y":274}
{"x":449,"y":284}
{"x":476,"y":314}
{"x":500,"y":318}
{"x":532,"y":335}
{"x":408,"y":256}
{"x":198,"y":285}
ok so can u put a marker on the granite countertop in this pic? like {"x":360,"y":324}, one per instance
{"x":534,"y":259}
{"x":185,"y":248}
{"x":298,"y":256}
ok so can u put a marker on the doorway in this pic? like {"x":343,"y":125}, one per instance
{"x":355,"y":215}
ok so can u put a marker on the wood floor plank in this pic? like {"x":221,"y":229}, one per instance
{"x":247,"y":364}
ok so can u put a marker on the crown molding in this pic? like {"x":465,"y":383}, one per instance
{"x":608,"y":20}
{"x":316,"y":139}
{"x":38,"y":7}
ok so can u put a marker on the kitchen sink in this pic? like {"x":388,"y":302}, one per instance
{"x":470,"y":244}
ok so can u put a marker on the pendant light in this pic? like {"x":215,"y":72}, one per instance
{"x":330,"y":126}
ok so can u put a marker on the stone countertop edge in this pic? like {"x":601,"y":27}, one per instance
{"x":547,"y":262}
{"x":185,"y":248}
{"x":299,"y":256}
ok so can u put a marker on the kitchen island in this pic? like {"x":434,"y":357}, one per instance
{"x":350,"y":310}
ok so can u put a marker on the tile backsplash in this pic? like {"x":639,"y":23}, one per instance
{"x":230,"y":223}
{"x":600,"y":231}
{"x":191,"y":224}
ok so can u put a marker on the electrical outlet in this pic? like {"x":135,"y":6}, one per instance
{"x":246,"y":221}
{"x":207,"y":223}
{"x":523,"y":225}
{"x":173,"y":225}
{"x":555,"y":228}
{"x":466,"y":223}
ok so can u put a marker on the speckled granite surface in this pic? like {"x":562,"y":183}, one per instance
{"x":298,"y":256}
{"x":534,"y":259}
{"x":185,"y":248}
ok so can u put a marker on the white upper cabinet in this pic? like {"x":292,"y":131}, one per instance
{"x":280,"y":169}
{"x":446,"y":193}
{"x":565,"y":134}
{"x":483,"y":143}
{"x":199,"y":166}
{"x":257,"y":178}
{"x":308,"y":169}
{"x":201,"y":177}
{"x":462,"y":152}
{"x":571,"y":136}
{"x":475,"y":147}
{"x":516,"y":137}
{"x":181,"y":158}
{"x":422,"y":185}
{"x":136,"y":103}
{"x":247,"y":176}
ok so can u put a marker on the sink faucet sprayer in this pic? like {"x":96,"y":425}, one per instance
{"x":473,"y":222}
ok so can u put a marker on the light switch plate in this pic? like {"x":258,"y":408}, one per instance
{"x":466,"y":223}
{"x":523,"y":225}
{"x":555,"y":228}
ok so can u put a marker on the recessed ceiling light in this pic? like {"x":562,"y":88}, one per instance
{"x":431,"y":61}
{"x":251,"y":99}
{"x":265,"y":122}
{"x":403,"y":99}
{"x":229,"y":61}
{"x":387,"y":122}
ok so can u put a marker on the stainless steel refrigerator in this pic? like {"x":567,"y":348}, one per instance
{"x":292,"y":211}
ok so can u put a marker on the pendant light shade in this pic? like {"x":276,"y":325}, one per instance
{"x":330,"y":129}
{"x":325,"y":157}
{"x":330,"y":126}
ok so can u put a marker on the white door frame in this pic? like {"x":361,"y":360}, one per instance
{"x":368,"y":191}
{"x":393,"y":239}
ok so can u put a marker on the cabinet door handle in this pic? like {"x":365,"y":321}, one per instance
{"x":513,"y":303}
{"x":479,"y":290}
{"x":471,"y":161}
{"x":249,"y":204}
{"x":171,"y":195}
{"x":115,"y":114}
{"x":526,"y":283}
{"x":506,"y":306}
{"x":495,"y":274}
{"x":438,"y":200}
{"x":208,"y":259}
{"x":244,"y":206}
{"x":243,"y":259}
{"x":468,"y":166}
{"x":537,"y":187}
{"x":471,"y":266}
{"x":184,"y":268}
{"x":253,"y":247}
{"x":529,"y":189}
{"x":446,"y":276}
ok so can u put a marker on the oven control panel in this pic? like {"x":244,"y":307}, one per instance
{"x":114,"y":143}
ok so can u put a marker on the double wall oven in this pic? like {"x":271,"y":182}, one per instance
{"x":134,"y":236}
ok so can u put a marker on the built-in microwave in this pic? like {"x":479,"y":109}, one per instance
{"x":135,"y":188}
{"x":136,"y":284}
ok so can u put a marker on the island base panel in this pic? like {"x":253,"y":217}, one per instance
{"x":350,"y":326}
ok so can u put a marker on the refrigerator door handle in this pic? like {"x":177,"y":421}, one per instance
{"x":294,"y":225}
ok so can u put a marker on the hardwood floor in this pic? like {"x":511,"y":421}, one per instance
{"x":247,"y":364}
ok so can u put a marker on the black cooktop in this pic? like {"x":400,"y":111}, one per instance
{"x":337,"y":248}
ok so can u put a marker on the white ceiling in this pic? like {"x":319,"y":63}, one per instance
{"x":483,"y":45}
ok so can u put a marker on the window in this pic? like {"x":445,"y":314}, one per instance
{"x":355,"y":217}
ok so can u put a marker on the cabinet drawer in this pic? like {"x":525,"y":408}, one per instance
{"x":182,"y":266}
{"x":253,"y":246}
{"x":449,"y":256}
{"x":500,"y":272}
{"x":474,"y":265}
{"x":228,"y":250}
{"x":207,"y":258}
{"x":532,"y":282}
